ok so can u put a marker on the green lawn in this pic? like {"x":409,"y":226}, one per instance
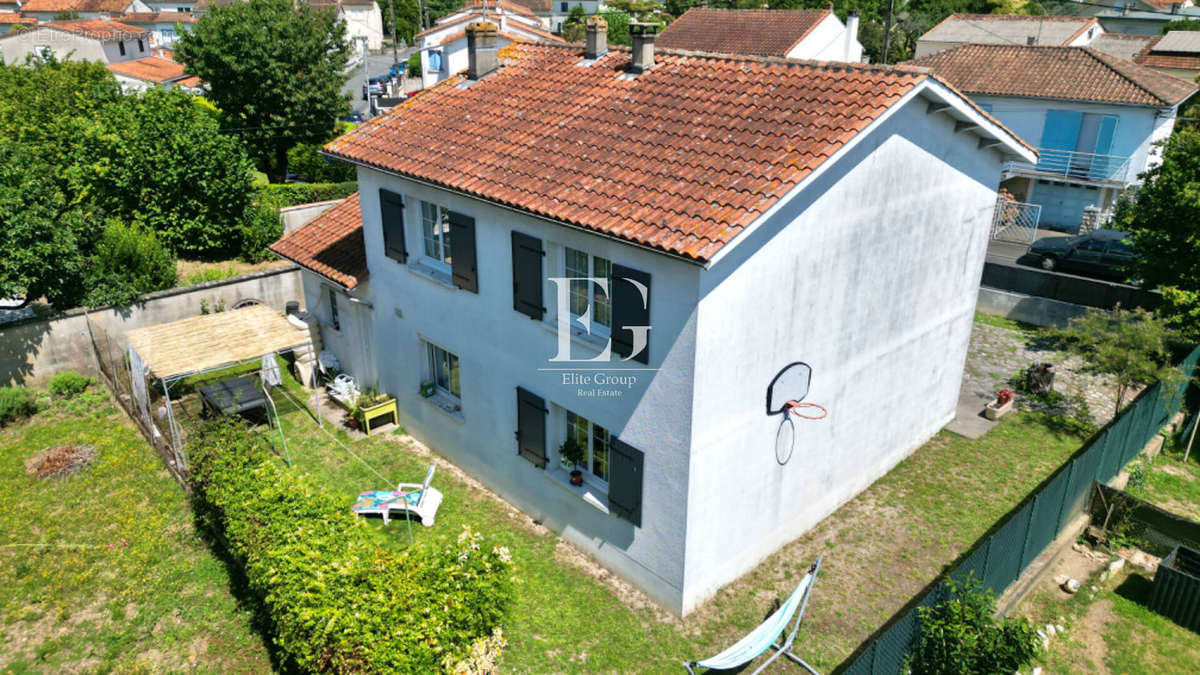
{"x":103,"y":571}
{"x":881,"y":549}
{"x":1170,"y":483}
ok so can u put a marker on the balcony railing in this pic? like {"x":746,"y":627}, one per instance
{"x":1078,"y":166}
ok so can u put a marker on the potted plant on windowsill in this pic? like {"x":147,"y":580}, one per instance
{"x":1001,"y":406}
{"x":572,"y":454}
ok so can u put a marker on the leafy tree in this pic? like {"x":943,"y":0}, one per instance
{"x":66,"y":15}
{"x":1181,"y":24}
{"x":574,"y":28}
{"x":1132,"y":346}
{"x":1164,"y":224}
{"x":408,"y":18}
{"x":160,"y":159}
{"x":40,"y":231}
{"x":618,"y":27}
{"x":129,"y":261}
{"x":961,"y":636}
{"x":1028,"y":7}
{"x":275,"y":69}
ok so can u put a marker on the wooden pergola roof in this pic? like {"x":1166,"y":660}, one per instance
{"x":207,"y":341}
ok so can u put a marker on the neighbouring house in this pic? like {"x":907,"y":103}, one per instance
{"x":1143,"y":20}
{"x":182,"y":6}
{"x":154,"y":71}
{"x":10,"y":20}
{"x":1121,"y":45}
{"x":82,"y":40}
{"x":551,"y":13}
{"x":796,"y":34}
{"x":622,"y":248}
{"x":46,"y":10}
{"x":164,"y":27}
{"x":1009,"y":29}
{"x":362,"y":18}
{"x":443,"y":47}
{"x":1095,"y":119}
{"x":1177,"y":53}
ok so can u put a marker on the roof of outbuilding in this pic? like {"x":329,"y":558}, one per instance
{"x":764,"y":32}
{"x":680,"y":159}
{"x":1122,"y":45}
{"x":330,"y":244}
{"x":97,"y":29}
{"x":1011,"y":29}
{"x":1068,"y":73}
{"x":151,"y":69}
{"x":1179,"y":41}
{"x":114,"y":6}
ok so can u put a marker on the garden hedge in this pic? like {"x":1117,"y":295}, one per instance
{"x":337,"y":602}
{"x":283,"y":195}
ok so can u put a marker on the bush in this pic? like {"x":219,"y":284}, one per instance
{"x":69,"y":384}
{"x":15,"y":403}
{"x":283,"y":195}
{"x":337,"y":602}
{"x":960,"y":636}
{"x":262,"y":228}
{"x":129,"y":261}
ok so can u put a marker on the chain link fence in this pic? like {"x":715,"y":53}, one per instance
{"x":1026,"y":532}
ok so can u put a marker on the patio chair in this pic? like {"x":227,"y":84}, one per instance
{"x":416,"y":499}
{"x":767,"y":635}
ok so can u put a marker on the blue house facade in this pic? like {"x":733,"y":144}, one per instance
{"x":1096,"y":120}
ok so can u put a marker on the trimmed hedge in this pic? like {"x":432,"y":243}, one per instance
{"x":337,"y":602}
{"x":283,"y":195}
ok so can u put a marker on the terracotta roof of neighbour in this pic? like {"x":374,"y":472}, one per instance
{"x":13,"y":18}
{"x":764,"y":32}
{"x":1122,"y":45}
{"x":1153,"y":56}
{"x":679,"y":159}
{"x":330,"y":244}
{"x":537,"y":6}
{"x":158,"y":17}
{"x":191,"y":82}
{"x":151,"y":69}
{"x":476,"y":16}
{"x":505,"y":5}
{"x":1069,"y":73}
{"x":1009,"y":29}
{"x":113,"y":6}
{"x":509,"y":35}
{"x":98,"y":29}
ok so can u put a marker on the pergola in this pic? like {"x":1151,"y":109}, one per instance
{"x":170,"y":352}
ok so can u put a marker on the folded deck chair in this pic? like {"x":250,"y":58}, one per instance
{"x":418,"y":499}
{"x":767,"y":635}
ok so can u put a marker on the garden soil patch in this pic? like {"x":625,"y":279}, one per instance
{"x":63,"y":460}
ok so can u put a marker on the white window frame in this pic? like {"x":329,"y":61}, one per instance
{"x":431,"y":367}
{"x":570,"y":420}
{"x":442,"y":239}
{"x":595,"y":327}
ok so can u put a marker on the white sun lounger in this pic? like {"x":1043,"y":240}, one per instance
{"x":418,"y":499}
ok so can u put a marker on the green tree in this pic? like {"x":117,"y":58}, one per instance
{"x":160,"y":159}
{"x":408,"y":18}
{"x":1029,"y":7}
{"x":41,"y":231}
{"x":275,"y":69}
{"x":1163,"y":220}
{"x":961,"y":636}
{"x":1180,"y":24}
{"x":573,"y":27}
{"x":128,"y":262}
{"x":1131,"y":346}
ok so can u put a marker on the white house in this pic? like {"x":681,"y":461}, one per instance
{"x":83,"y":40}
{"x":363,"y":19}
{"x":164,"y":27}
{"x":46,"y":10}
{"x":1009,"y":29}
{"x":614,"y":246}
{"x":443,"y":47}
{"x":797,"y":34}
{"x":1095,"y":119}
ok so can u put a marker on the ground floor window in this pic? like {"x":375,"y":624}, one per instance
{"x":443,"y":370}
{"x":595,"y":440}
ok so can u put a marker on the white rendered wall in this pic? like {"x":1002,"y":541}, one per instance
{"x":501,"y":349}
{"x":65,"y":46}
{"x":353,"y":341}
{"x":871,"y":277}
{"x":826,"y":42}
{"x":1087,"y":37}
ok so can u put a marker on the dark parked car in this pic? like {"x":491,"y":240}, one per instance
{"x":1103,"y":253}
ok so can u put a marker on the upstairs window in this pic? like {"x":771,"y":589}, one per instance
{"x":141,"y":45}
{"x":333,"y":311}
{"x":590,"y":303}
{"x":435,"y":232}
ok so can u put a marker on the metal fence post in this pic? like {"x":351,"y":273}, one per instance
{"x":1033,"y":509}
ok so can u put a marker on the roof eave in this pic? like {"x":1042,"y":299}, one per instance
{"x":326,"y":277}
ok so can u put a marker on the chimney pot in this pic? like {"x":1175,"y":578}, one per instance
{"x":597,"y":38}
{"x":643,"y":46}
{"x":482,"y":49}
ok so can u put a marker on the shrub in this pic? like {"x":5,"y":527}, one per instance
{"x":960,"y":635}
{"x":337,"y":602}
{"x":69,"y":384}
{"x":283,"y":195}
{"x":129,"y":261}
{"x":15,"y":403}
{"x":262,"y":228}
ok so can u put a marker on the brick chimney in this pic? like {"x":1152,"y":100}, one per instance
{"x":643,"y":46}
{"x":597,"y":38}
{"x":482,"y":49}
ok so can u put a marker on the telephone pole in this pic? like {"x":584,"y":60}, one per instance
{"x":887,"y":31}
{"x":395,"y":52}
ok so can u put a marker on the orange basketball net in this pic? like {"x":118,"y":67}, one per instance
{"x":796,"y":406}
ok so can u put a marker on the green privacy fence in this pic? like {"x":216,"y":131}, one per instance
{"x":1026,"y":532}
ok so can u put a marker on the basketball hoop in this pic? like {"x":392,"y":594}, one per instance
{"x":785,"y":394}
{"x":796,"y":406}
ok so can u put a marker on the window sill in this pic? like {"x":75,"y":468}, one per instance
{"x":593,"y":343}
{"x":448,"y":405}
{"x":590,"y":494}
{"x":433,"y":275}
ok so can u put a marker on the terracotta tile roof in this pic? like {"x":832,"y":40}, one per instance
{"x":14,"y":18}
{"x":1069,"y":73}
{"x":680,"y":159}
{"x":511,"y":36}
{"x":1154,"y":56}
{"x":113,"y":6}
{"x":151,"y":69}
{"x":158,"y":17}
{"x":537,"y":6}
{"x":763,"y":32}
{"x":330,"y":245}
{"x":1009,"y":29}
{"x":505,"y":5}
{"x":98,"y":29}
{"x":477,"y":16}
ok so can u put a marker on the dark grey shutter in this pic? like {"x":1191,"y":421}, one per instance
{"x":527,"y":275}
{"x":625,"y":481}
{"x":629,"y":309}
{"x":531,"y":427}
{"x":462,"y":251}
{"x":391,"y":213}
